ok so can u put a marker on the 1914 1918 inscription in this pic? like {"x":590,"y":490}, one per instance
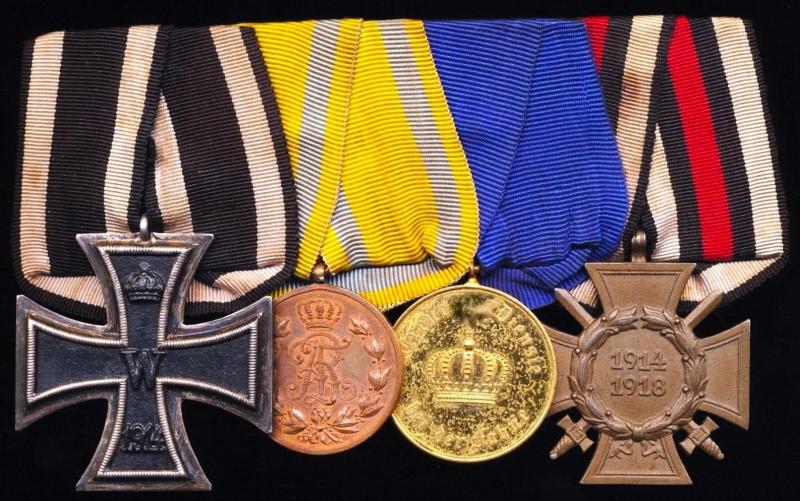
{"x":638,"y":374}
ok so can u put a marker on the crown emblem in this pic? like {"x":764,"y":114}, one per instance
{"x":319,"y":314}
{"x":143,"y":285}
{"x":466,"y":375}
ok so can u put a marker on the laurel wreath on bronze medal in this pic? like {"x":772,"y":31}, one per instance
{"x":325,"y":427}
{"x":694,"y":365}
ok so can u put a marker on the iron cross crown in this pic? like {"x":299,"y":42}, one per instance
{"x":144,"y":361}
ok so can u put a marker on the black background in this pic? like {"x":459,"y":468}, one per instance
{"x":45,"y":460}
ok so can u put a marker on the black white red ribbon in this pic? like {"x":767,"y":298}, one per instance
{"x":687,"y":100}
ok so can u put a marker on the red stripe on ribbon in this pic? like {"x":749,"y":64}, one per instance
{"x":701,"y":144}
{"x":597,"y":27}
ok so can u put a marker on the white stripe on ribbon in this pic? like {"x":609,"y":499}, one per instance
{"x":36,"y":147}
{"x":634,"y":100}
{"x":740,"y":74}
{"x":311,"y":140}
{"x":131,"y":97}
{"x":661,"y":200}
{"x":257,"y":138}
{"x":426,"y":134}
{"x":168,"y":174}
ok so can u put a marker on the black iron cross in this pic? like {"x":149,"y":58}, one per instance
{"x":144,"y":361}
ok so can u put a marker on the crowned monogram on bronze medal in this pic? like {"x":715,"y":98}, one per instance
{"x":338,"y":369}
{"x":144,"y":361}
{"x":638,"y":374}
{"x":394,"y":154}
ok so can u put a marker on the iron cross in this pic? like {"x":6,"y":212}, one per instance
{"x":637,"y":374}
{"x":144,"y":361}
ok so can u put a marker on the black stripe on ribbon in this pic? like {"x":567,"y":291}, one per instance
{"x":281,"y":150}
{"x":727,"y":136}
{"x":773,"y":148}
{"x":287,"y":184}
{"x":614,"y":54}
{"x":154,"y":217}
{"x":212,"y":154}
{"x":279,"y":143}
{"x":83,"y":130}
{"x":143,"y":150}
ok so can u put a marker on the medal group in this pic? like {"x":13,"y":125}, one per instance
{"x":293,"y":180}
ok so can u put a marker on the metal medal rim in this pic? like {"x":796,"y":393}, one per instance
{"x":729,"y":402}
{"x":195,"y":246}
{"x":473,"y":285}
{"x":400,"y":372}
{"x":620,"y":426}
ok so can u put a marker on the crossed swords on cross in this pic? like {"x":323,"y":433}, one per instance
{"x":649,"y":292}
{"x":176,"y":361}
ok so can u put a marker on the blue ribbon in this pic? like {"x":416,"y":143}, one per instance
{"x":528,"y":108}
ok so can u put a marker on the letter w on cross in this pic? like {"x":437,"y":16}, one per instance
{"x":142,"y":364}
{"x":144,"y":361}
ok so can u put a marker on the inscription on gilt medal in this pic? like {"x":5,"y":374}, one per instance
{"x":337,"y":370}
{"x":479,"y":373}
{"x":638,"y":374}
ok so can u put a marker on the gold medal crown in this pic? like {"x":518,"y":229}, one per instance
{"x":319,"y":314}
{"x":467,"y":375}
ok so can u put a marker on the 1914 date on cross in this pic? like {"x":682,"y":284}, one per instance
{"x":144,"y":362}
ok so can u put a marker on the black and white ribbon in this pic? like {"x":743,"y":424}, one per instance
{"x":178,"y":123}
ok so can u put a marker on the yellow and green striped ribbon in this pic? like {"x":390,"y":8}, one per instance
{"x":384,"y":192}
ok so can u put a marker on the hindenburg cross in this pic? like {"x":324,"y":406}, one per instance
{"x":638,"y":374}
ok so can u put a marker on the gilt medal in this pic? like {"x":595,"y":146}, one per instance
{"x":479,"y":373}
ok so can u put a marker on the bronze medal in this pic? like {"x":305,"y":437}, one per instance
{"x":637,"y":374}
{"x":337,"y":372}
{"x":480,"y":373}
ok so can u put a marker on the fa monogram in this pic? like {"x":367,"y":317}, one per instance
{"x":144,"y":361}
{"x":317,"y":356}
